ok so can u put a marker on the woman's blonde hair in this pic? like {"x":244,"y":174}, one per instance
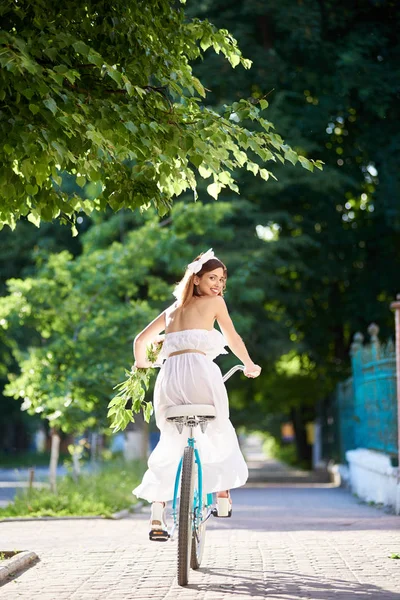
{"x":186,"y":289}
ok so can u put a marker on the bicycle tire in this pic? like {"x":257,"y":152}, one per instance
{"x":185,"y":534}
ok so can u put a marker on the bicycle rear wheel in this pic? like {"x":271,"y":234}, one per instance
{"x":185,"y":526}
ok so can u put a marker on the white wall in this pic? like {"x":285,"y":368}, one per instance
{"x":373,"y":478}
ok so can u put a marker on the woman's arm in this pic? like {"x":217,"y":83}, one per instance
{"x":234,"y":340}
{"x":146,"y":337}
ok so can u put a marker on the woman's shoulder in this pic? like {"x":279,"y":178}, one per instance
{"x":172,"y":307}
{"x":214,"y":304}
{"x":211,"y":300}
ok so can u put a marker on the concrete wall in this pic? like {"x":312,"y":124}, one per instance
{"x":372,"y":477}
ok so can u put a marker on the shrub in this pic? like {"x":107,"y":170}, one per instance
{"x":100,"y":493}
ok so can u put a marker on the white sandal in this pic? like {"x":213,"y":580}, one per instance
{"x":158,"y":528}
{"x":224,"y":507}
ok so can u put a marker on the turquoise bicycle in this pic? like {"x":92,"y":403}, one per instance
{"x":194,"y":508}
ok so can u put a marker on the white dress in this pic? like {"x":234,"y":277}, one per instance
{"x":193,"y":378}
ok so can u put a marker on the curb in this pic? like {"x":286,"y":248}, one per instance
{"x":121,"y":514}
{"x":20,"y":561}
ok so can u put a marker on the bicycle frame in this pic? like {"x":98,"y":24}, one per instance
{"x":198,"y":498}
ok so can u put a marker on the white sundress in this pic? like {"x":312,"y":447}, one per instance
{"x":192,"y":378}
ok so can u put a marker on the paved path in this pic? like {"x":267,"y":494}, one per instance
{"x":283,"y":543}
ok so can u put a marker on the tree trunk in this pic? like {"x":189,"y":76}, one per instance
{"x":93,"y":447}
{"x":302,"y":447}
{"x":76,"y":465}
{"x":54,"y":454}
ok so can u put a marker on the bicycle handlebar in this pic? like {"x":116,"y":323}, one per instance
{"x":232,"y":371}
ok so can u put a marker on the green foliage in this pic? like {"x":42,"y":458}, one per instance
{"x":107,"y":93}
{"x":285,"y":453}
{"x":132,"y":391}
{"x":328,"y":70}
{"x":100,"y":493}
{"x":25,"y":460}
{"x":80,"y":315}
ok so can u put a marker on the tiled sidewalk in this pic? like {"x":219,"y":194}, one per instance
{"x":282,"y":543}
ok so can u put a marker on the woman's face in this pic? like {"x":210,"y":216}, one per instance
{"x":211,"y":283}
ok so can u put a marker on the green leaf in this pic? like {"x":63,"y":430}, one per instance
{"x":95,"y":58}
{"x":234,"y":59}
{"x":148,"y":411}
{"x":196,"y":159}
{"x":214,"y":189}
{"x":204,"y":173}
{"x":32,"y":190}
{"x":306,"y":163}
{"x":50,"y":104}
{"x":81,"y":48}
{"x":253,"y":167}
{"x":291,"y":156}
{"x":115,"y":75}
{"x":263,"y":104}
{"x":34,"y":218}
{"x":205,"y":42}
{"x":199,"y":87}
{"x":225,"y":177}
{"x":34,"y":108}
{"x":81,"y":180}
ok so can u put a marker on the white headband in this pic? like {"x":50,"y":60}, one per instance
{"x":195,"y":266}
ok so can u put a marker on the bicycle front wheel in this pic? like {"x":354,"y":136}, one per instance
{"x":185,"y":527}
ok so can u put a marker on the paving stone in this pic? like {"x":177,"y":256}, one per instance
{"x":283,"y":543}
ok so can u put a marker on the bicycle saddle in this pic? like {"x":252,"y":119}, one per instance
{"x":206,"y":411}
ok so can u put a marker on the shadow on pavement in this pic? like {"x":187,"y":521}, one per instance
{"x":310,"y":508}
{"x":290,"y":585}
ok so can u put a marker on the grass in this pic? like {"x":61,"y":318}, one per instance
{"x":285,"y":453}
{"x":6,"y":554}
{"x":95,"y":494}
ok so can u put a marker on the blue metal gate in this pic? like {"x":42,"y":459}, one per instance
{"x":367,"y":402}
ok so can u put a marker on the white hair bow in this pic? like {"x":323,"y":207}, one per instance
{"x":195,"y":266}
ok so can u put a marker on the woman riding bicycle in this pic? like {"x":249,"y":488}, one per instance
{"x":189,"y":376}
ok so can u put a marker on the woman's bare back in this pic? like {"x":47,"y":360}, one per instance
{"x":199,"y":313}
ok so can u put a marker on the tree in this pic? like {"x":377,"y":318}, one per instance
{"x":106,"y":93}
{"x":81,"y":314}
{"x":328,"y":70}
{"x":21,"y":249}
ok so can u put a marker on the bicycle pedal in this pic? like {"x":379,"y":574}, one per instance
{"x":215,"y":514}
{"x":158,"y":535}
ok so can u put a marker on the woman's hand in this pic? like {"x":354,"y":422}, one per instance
{"x":141,"y":365}
{"x":252,"y":370}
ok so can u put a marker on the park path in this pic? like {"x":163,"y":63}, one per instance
{"x":284,"y":542}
